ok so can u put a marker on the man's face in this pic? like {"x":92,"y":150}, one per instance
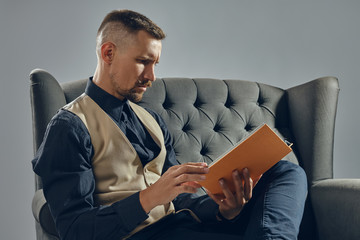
{"x":132,"y":69}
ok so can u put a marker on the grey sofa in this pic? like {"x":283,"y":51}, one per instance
{"x":207,"y":116}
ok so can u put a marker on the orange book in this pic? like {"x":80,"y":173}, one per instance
{"x":258,"y":152}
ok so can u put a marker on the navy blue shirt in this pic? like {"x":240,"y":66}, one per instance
{"x":63,"y":162}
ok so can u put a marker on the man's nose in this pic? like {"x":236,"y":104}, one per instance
{"x":150,"y":73}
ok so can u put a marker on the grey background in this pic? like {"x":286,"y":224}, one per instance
{"x":278,"y":42}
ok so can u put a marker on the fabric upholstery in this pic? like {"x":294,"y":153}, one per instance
{"x":312,"y":110}
{"x":337,"y":205}
{"x":46,"y":97}
{"x":207,"y":116}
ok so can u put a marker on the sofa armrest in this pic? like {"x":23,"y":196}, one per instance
{"x":337,"y":209}
{"x":312,"y":110}
{"x":38,"y":203}
{"x":42,"y":213}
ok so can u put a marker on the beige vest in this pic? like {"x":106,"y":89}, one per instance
{"x":118,"y":170}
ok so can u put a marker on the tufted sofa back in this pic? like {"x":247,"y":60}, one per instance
{"x":208,"y":116}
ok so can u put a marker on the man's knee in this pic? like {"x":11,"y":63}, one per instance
{"x":291,"y":172}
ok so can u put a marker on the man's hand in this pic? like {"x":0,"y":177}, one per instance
{"x":176,"y":180}
{"x":231,"y":204}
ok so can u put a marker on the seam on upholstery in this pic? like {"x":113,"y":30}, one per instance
{"x":264,"y":216}
{"x":237,"y":113}
{"x":177,"y":139}
{"x":263,"y":106}
{"x":206,"y":155}
{"x":233,"y":144}
{"x":223,"y":115}
{"x":207,"y":116}
{"x":197,"y":140}
{"x":220,"y":118}
{"x":189,"y":132}
{"x":197,"y":94}
{"x":209,"y":143}
{"x":169,"y":109}
{"x":268,"y":109}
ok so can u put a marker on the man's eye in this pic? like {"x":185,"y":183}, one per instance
{"x":147,"y":62}
{"x":143,"y":61}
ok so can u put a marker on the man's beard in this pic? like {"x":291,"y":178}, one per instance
{"x":133,"y":95}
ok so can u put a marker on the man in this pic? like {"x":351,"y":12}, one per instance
{"x":109,"y":170}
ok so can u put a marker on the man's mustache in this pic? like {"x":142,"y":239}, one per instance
{"x":144,"y":83}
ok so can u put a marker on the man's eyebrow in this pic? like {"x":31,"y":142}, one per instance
{"x":148,"y":58}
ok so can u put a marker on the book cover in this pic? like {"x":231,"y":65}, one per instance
{"x":258,"y":152}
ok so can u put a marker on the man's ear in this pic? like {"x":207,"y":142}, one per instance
{"x":108,"y":52}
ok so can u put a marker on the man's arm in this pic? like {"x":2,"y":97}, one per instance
{"x":64,"y":163}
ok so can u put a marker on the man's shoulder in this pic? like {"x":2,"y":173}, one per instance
{"x":66,"y":119}
{"x":66,"y":124}
{"x":64,"y":115}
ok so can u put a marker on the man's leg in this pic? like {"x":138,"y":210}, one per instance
{"x":274,"y":212}
{"x":182,"y":226}
{"x":277,"y":206}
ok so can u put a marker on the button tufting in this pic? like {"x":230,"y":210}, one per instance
{"x":248,"y":127}
{"x":228,"y":103}
{"x":166,"y":104}
{"x":203,"y":151}
{"x":197,"y":103}
{"x":216,"y":128}
{"x":260,"y":101}
{"x":185,"y":128}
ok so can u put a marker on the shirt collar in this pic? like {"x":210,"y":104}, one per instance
{"x":110,"y":104}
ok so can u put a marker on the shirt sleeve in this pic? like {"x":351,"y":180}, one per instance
{"x":202,"y":205}
{"x":63,"y":162}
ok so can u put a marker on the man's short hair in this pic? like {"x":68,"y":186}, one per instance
{"x":121,"y":26}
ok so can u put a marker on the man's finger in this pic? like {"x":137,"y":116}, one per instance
{"x":204,"y":164}
{"x":229,"y":196}
{"x":238,"y":183}
{"x":191,"y":168}
{"x":193,"y":184}
{"x":248,"y":184}
{"x":184,"y":188}
{"x":217,"y":199}
{"x":189,"y":177}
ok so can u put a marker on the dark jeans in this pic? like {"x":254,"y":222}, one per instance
{"x":274,"y":212}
